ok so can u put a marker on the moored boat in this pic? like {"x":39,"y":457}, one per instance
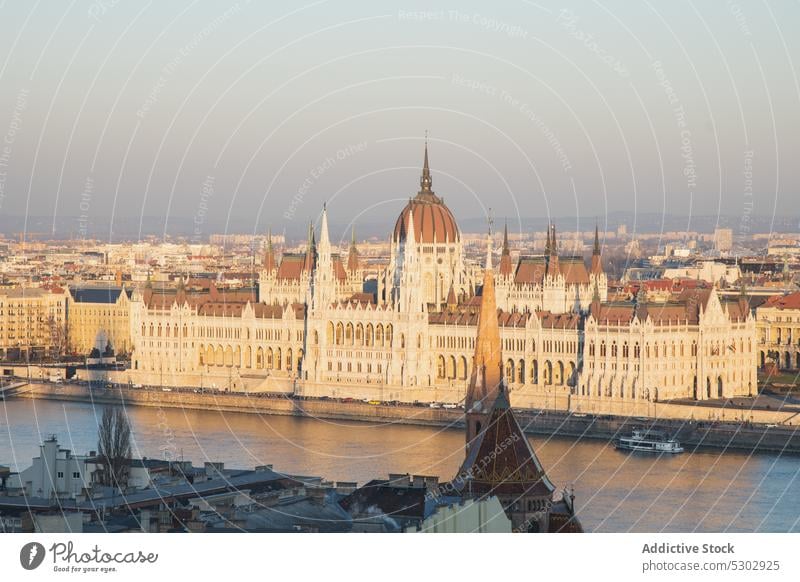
{"x":649,"y":441}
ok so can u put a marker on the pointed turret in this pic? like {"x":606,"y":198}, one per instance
{"x":311,"y":250}
{"x":594,"y":308}
{"x":452,"y":301}
{"x":597,"y":261}
{"x":269,"y":255}
{"x":505,"y":258}
{"x":553,"y":268}
{"x":547,"y":243}
{"x":425,"y":181}
{"x":324,"y":238}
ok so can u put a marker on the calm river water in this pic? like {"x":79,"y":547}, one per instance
{"x":615,"y":492}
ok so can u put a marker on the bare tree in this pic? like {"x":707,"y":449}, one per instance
{"x":58,"y":336}
{"x":114,"y":447}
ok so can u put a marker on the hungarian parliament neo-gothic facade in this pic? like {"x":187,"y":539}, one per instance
{"x":314,"y":331}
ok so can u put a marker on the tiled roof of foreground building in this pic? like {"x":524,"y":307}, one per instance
{"x":501,"y":461}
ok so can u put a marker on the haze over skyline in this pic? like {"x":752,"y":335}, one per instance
{"x":256,"y":115}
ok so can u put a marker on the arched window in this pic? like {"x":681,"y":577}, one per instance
{"x":510,"y":370}
{"x":440,"y":371}
{"x":462,"y":368}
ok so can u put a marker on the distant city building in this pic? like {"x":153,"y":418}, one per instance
{"x":32,"y":323}
{"x":723,"y":239}
{"x":99,"y":316}
{"x":778,"y":322}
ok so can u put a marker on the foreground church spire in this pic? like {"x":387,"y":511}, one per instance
{"x":487,"y":370}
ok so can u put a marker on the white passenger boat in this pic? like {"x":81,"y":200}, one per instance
{"x":650,"y":441}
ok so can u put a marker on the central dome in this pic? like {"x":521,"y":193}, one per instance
{"x":433,"y":221}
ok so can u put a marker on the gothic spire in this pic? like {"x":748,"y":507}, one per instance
{"x":505,"y":257}
{"x":425,"y":181}
{"x":324,"y":237}
{"x":269,"y":255}
{"x":597,"y":261}
{"x":547,"y":244}
{"x":596,"y":249}
{"x":311,"y":249}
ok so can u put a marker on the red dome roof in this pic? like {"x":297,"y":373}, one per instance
{"x":433,"y":221}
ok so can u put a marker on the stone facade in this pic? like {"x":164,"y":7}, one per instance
{"x":99,"y":316}
{"x":32,"y":323}
{"x":320,"y":335}
{"x":778,"y":323}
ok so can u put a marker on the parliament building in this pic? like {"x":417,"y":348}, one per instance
{"x":314,"y":331}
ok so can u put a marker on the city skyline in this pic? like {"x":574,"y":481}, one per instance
{"x":341,"y":267}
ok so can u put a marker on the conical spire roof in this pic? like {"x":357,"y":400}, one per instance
{"x":425,"y":181}
{"x":505,"y":257}
{"x":487,"y":369}
{"x":311,"y":249}
{"x":597,"y":261}
{"x":269,"y":255}
{"x":502,"y":462}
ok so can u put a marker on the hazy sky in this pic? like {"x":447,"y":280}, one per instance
{"x":205,"y":111}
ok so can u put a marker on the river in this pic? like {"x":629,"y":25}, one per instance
{"x":705,"y":491}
